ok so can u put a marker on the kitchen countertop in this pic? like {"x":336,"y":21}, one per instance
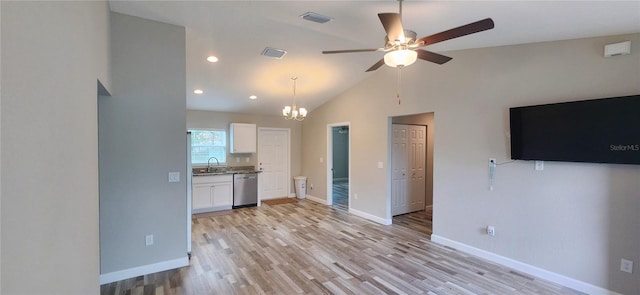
{"x":224,"y":171}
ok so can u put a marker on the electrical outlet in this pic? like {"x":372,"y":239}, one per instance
{"x":626,"y":265}
{"x":491,"y":230}
{"x":148,"y":240}
{"x":492,"y":162}
{"x":311,"y":186}
{"x":539,"y":165}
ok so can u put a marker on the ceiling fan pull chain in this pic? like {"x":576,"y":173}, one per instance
{"x":398,"y":87}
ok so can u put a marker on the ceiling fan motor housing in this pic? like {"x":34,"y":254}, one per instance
{"x":410,"y":38}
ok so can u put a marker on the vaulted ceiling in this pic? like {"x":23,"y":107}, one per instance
{"x":238,"y":31}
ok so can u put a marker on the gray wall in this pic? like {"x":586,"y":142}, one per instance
{"x":221,"y":120}
{"x":340,"y":142}
{"x":52,"y":55}
{"x":142,"y":139}
{"x":573,"y":219}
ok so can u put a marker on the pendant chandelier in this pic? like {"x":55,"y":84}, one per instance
{"x":292,"y":112}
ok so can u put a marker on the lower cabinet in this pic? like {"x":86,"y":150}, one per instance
{"x":212,"y":193}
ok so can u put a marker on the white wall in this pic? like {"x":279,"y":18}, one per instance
{"x":142,"y":138}
{"x":0,"y":149}
{"x":52,"y":55}
{"x":576,"y":220}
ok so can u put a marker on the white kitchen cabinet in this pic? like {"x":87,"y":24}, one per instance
{"x":212,"y":193}
{"x":243,"y":138}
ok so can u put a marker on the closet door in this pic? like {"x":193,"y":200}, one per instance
{"x":408,"y":168}
{"x":399,"y":163}
{"x":417,"y":154}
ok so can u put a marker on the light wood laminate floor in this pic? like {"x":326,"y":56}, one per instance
{"x":309,"y":248}
{"x":341,"y":194}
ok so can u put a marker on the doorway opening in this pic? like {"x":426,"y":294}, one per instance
{"x":411,"y":158}
{"x":338,"y":166}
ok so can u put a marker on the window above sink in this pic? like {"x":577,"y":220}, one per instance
{"x":207,"y":143}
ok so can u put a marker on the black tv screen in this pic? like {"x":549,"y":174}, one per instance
{"x":597,"y":131}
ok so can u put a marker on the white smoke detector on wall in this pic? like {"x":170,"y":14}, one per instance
{"x":615,"y":49}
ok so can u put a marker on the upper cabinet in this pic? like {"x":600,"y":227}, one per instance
{"x":242,"y":137}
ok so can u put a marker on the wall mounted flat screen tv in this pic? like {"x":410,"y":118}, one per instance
{"x":597,"y":131}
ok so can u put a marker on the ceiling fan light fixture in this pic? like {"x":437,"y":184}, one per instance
{"x":400,"y":58}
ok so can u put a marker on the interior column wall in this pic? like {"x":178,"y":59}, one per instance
{"x":142,"y":131}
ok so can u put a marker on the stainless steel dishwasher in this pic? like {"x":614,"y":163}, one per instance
{"x":245,"y":190}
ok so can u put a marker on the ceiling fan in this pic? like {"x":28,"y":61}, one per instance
{"x":403,"y":48}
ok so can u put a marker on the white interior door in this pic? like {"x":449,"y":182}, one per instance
{"x":408,"y":168}
{"x":273,"y":161}
{"x":399,"y":163}
{"x":417,"y":154}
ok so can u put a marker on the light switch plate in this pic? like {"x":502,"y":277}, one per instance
{"x":626,"y":265}
{"x":174,"y":176}
{"x":148,"y":240}
{"x":380,"y":165}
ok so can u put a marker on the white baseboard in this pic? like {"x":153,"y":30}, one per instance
{"x":371,"y":217}
{"x":317,"y":200}
{"x":143,"y":270}
{"x":359,"y":213}
{"x":523,"y":267}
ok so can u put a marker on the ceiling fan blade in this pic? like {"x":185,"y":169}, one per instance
{"x":432,"y":56}
{"x":376,"y":66}
{"x":475,"y":27}
{"x":392,"y":24}
{"x":351,"y":50}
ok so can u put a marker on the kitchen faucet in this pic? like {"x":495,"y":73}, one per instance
{"x":209,"y":163}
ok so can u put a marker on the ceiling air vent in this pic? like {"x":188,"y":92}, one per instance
{"x":314,"y":17}
{"x":274,"y":52}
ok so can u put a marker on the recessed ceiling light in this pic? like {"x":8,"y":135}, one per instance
{"x":198,"y":91}
{"x":212,"y":58}
{"x":253,"y":97}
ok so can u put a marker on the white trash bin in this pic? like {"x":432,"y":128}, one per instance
{"x":301,"y":186}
